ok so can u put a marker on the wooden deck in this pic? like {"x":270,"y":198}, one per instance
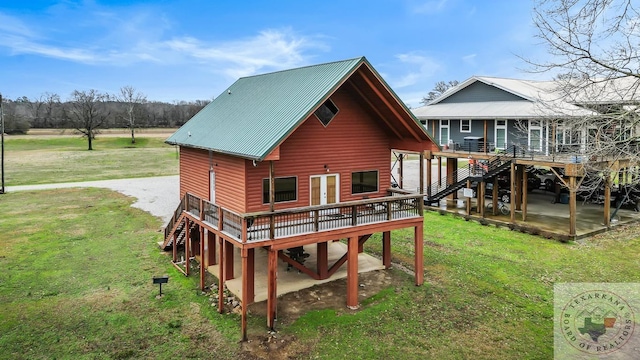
{"x":210,"y":234}
{"x":268,"y":226}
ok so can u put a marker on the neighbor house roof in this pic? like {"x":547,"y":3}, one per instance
{"x":537,"y":99}
{"x":257,"y":113}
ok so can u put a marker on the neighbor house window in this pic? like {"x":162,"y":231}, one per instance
{"x":285,"y":189}
{"x":364,"y":182}
{"x":326,"y":112}
{"x":465,"y":126}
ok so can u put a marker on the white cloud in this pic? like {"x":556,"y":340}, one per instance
{"x":420,"y":69}
{"x":470,"y":59}
{"x":270,"y":49}
{"x":140,"y":38}
{"x":11,"y":25}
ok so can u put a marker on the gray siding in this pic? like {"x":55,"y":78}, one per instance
{"x":479,"y":92}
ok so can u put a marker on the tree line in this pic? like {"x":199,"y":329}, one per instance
{"x":87,"y":111}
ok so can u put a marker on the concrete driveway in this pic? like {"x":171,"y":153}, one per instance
{"x":156,"y":195}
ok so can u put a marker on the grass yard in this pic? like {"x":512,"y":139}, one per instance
{"x":43,"y":160}
{"x":77,"y":284}
{"x":488,"y":294}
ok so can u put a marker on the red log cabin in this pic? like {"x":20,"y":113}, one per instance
{"x":290,"y":159}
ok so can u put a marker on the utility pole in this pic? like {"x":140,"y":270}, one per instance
{"x":2,"y":142}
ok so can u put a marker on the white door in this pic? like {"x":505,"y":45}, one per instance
{"x":535,"y":135}
{"x":324,"y":189}
{"x":501,"y":134}
{"x":444,"y":132}
{"x":212,"y":187}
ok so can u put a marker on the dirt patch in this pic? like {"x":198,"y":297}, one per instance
{"x":332,"y":295}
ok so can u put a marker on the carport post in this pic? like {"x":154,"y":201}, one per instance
{"x":572,"y":206}
{"x":607,"y":201}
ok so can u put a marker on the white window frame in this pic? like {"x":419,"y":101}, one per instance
{"x":444,"y":124}
{"x":462,"y":130}
{"x":506,"y":134}
{"x":534,"y":125}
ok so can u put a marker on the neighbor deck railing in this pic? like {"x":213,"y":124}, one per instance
{"x":262,"y":226}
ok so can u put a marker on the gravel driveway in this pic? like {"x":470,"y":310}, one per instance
{"x":156,"y":195}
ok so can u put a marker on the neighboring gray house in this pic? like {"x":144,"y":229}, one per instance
{"x":495,"y":113}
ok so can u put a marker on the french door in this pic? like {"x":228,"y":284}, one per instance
{"x":324,"y":189}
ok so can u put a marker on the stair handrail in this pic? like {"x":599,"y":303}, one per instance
{"x":447,"y":182}
{"x":175,"y":217}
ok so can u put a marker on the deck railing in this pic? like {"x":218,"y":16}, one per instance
{"x":211,"y":212}
{"x":261,"y":226}
{"x":193,"y":205}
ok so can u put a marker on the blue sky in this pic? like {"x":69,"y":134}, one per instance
{"x":186,"y":50}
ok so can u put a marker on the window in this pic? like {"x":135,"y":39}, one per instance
{"x":285,"y":189}
{"x":364,"y":182}
{"x":465,"y":126}
{"x":326,"y":112}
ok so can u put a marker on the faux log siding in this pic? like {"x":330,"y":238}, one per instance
{"x":353,"y":141}
{"x":194,"y":172}
{"x":230,"y":182}
{"x":230,"y":177}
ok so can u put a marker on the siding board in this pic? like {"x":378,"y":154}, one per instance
{"x":353,"y":141}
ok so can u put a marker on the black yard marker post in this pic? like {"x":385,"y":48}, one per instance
{"x":160,"y":280}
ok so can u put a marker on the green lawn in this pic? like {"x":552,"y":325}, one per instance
{"x":77,"y":284}
{"x":66,"y":159}
{"x":488,"y":294}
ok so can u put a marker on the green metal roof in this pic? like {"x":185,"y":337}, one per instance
{"x":257,"y":113}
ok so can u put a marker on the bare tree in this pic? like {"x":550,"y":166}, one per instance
{"x":594,"y":48}
{"x":52,"y":107}
{"x":439,"y":89}
{"x":87,"y":112}
{"x":131,"y":99}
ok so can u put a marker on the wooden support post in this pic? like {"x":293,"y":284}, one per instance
{"x":572,"y":206}
{"x":401,"y":171}
{"x":468,"y":200}
{"x":439,"y":171}
{"x":251,"y":275}
{"x":203,"y":259}
{"x":272,"y":185}
{"x":245,"y":291}
{"x":187,"y":245}
{"x":174,"y":250}
{"x":421,"y":188}
{"x":513,"y":193}
{"x":452,"y":166}
{"x":228,"y":261}
{"x":221,"y":279}
{"x":525,"y":190}
{"x":272,"y":272}
{"x":211,"y":238}
{"x":607,"y":201}
{"x":419,"y":249}
{"x":386,"y":249}
{"x":352,"y":273}
{"x":519,"y":187}
{"x":482,"y":188}
{"x":486,"y":144}
{"x":494,"y":196}
{"x":322,"y":266}
{"x":429,"y":175}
